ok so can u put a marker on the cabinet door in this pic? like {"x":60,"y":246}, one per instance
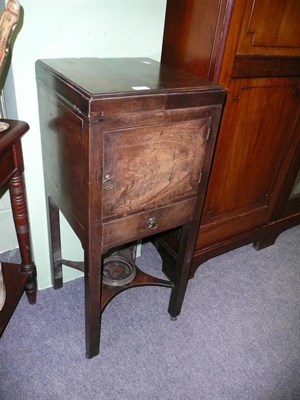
{"x":271,"y":27}
{"x":251,"y":154}
{"x":152,"y":166}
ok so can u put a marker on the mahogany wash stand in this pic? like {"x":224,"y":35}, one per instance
{"x":127,"y":149}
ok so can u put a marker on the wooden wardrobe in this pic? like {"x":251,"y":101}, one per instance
{"x":252,"y":48}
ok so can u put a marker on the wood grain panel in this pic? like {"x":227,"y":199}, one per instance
{"x":271,"y":27}
{"x":256,"y":130}
{"x":153,"y":166}
{"x":7,"y":166}
{"x":186,"y":22}
{"x":133,"y":227}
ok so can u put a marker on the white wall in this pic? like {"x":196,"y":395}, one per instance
{"x":53,"y":29}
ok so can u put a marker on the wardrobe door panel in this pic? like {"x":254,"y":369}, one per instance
{"x":251,"y":151}
{"x":271,"y":27}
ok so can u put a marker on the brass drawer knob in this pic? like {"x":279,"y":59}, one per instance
{"x":108,"y":182}
{"x":152,"y":223}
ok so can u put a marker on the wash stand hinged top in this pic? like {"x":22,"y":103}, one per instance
{"x":127,"y":148}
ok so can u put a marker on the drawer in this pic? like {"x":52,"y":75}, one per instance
{"x":7,"y":166}
{"x":147,"y":223}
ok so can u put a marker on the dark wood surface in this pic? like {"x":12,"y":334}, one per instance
{"x":251,"y":48}
{"x":124,"y":164}
{"x":16,"y":277}
{"x":115,"y":76}
{"x":15,"y":280}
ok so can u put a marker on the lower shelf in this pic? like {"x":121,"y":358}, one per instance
{"x":141,"y":279}
{"x":15,"y":281}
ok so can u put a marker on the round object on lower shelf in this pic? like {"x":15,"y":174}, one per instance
{"x":117,"y":271}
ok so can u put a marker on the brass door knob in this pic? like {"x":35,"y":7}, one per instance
{"x":108,"y":182}
{"x":152,"y":223}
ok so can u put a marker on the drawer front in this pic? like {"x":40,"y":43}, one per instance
{"x":152,"y":166}
{"x":7,"y":165}
{"x":147,"y":223}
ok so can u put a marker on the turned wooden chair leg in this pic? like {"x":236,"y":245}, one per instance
{"x":20,"y":216}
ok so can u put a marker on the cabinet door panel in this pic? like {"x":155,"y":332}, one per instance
{"x":271,"y":27}
{"x":252,"y":146}
{"x":153,"y":165}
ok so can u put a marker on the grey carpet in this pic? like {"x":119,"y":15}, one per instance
{"x":238,"y":337}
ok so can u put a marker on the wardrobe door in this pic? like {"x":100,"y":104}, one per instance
{"x":249,"y":165}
